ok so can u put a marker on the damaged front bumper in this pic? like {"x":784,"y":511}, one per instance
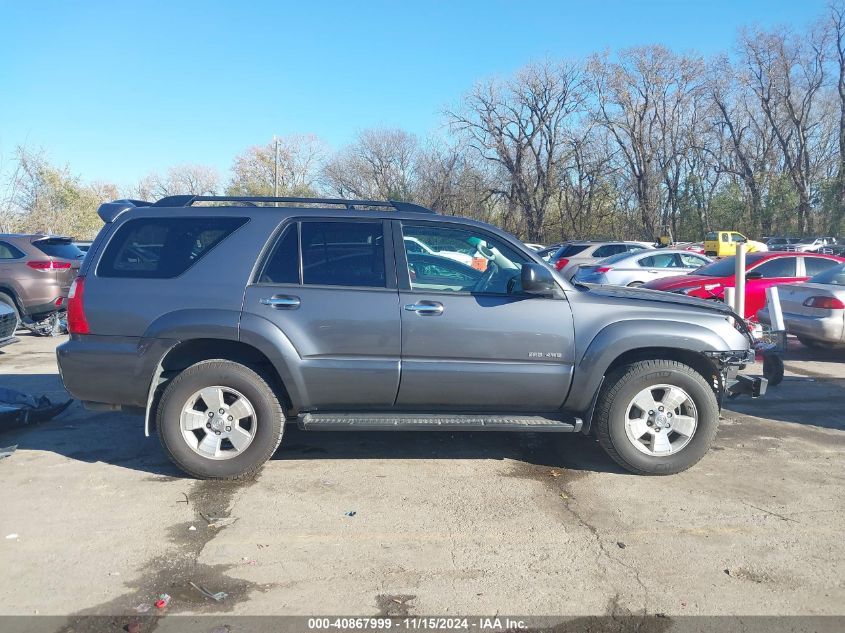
{"x":735,"y":384}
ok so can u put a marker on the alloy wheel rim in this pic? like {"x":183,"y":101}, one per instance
{"x":661,"y":420}
{"x":218,"y":422}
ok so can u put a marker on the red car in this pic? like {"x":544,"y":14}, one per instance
{"x":762,"y":270}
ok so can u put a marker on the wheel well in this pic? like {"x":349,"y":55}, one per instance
{"x":11,"y":294}
{"x":194,"y":351}
{"x":699,"y":362}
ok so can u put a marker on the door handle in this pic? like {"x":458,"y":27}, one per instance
{"x":281,"y":302}
{"x":426,"y":308}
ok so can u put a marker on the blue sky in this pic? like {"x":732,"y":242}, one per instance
{"x":118,"y":89}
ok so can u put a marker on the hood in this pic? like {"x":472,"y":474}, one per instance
{"x":658,"y":296}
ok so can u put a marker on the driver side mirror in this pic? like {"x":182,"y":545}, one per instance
{"x":753,"y":275}
{"x":537,"y":280}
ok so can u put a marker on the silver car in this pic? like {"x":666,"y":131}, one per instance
{"x":635,"y":269}
{"x":574,"y":254}
{"x":814,"y":311}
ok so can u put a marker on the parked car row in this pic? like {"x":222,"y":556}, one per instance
{"x":36,"y":272}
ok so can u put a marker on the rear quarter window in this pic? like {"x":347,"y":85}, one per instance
{"x":163,"y":248}
{"x":7,"y":251}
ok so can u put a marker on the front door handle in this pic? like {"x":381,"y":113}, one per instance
{"x":425,"y":308}
{"x":281,"y":302}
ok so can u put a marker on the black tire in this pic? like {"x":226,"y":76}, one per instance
{"x":773,"y":369}
{"x":268,"y":413}
{"x":623,"y":384}
{"x":9,"y":301}
{"x":635,"y":284}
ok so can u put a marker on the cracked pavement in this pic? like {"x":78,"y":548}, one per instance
{"x":445,"y":523}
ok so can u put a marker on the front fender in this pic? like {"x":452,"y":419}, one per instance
{"x":626,"y":336}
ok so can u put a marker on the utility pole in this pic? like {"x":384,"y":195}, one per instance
{"x":276,"y":168}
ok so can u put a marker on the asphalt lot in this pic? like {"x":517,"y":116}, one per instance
{"x":444,"y":523}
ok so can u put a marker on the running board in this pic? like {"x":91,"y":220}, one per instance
{"x":434,"y":422}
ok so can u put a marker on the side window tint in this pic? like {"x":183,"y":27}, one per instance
{"x":453,"y":259}
{"x":283,"y":265}
{"x":692,"y":261}
{"x":724,"y":237}
{"x":343,"y":254}
{"x":608,"y":249}
{"x":7,"y":251}
{"x":776,"y":268}
{"x":163,"y":248}
{"x":815,"y":265}
{"x":661,"y":260}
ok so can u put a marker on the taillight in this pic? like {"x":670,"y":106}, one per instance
{"x":76,"y":321}
{"x":559,"y":264}
{"x":604,"y":269}
{"x":50,"y":265}
{"x":827,"y":303}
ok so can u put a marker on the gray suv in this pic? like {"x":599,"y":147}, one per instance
{"x":222,"y":319}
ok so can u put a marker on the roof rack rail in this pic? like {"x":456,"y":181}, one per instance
{"x":350,"y":205}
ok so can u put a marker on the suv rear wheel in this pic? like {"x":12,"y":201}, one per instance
{"x":656,"y":417}
{"x":220,"y":420}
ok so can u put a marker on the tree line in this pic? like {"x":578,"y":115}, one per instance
{"x":632,"y":145}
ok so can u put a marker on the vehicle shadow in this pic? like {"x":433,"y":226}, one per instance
{"x":118,"y":438}
{"x":804,"y":400}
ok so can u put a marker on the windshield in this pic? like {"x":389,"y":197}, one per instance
{"x":807,"y":240}
{"x":834,"y":276}
{"x":726,"y":267}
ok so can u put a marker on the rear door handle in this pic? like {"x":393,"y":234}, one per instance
{"x":425,"y":308}
{"x":281,"y":302}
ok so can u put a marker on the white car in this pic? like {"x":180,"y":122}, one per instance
{"x":413,"y":245}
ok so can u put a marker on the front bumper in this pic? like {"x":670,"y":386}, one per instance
{"x":735,"y":384}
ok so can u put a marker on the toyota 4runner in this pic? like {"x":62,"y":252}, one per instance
{"x":223,"y":319}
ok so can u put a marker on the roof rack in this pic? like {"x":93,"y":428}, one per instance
{"x":350,"y":205}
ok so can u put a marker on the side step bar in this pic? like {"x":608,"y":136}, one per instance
{"x":434,"y":422}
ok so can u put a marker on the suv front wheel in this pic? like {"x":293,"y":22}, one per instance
{"x":219,"y":420}
{"x":656,"y":417}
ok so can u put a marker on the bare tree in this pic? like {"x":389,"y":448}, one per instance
{"x":300,"y":159}
{"x":836,"y":28}
{"x":520,"y":125}
{"x":647,"y":100}
{"x":197,"y":180}
{"x":379,"y":164}
{"x":786,"y":72}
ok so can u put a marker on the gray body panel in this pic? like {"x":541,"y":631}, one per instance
{"x":348,"y":348}
{"x":478,"y":353}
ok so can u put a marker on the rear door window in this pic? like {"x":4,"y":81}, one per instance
{"x":163,"y":248}
{"x":343,"y":254}
{"x":777,"y":268}
{"x":607,"y":250}
{"x":571,"y":250}
{"x":660,"y":260}
{"x":815,"y":265}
